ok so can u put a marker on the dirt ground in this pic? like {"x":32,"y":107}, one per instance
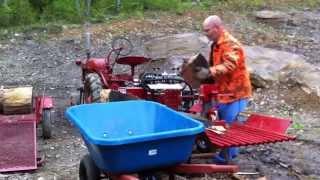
{"x":47,"y":62}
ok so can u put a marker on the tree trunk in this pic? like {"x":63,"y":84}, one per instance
{"x":16,"y":100}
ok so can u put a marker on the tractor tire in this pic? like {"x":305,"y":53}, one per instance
{"x":93,"y":87}
{"x":88,"y":169}
{"x":46,"y":124}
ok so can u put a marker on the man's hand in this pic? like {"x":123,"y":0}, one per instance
{"x":202,"y":73}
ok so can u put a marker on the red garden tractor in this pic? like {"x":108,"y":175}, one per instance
{"x":98,"y":74}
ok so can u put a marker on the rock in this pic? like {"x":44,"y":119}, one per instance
{"x":3,"y":176}
{"x":54,"y":28}
{"x":305,"y":75}
{"x":273,"y":15}
{"x":185,"y":44}
{"x":265,"y":64}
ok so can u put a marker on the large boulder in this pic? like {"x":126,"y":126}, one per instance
{"x":269,"y":66}
{"x":265,"y":64}
{"x":182,"y":45}
{"x":269,"y":14}
{"x":303,"y":74}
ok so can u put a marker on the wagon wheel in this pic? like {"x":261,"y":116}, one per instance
{"x":149,"y":176}
{"x":46,"y":124}
{"x":92,"y":88}
{"x":203,"y":143}
{"x":88,"y":169}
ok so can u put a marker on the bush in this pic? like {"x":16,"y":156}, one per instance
{"x":17,"y":12}
{"x":21,"y":12}
{"x":162,"y":4}
{"x":5,"y":15}
{"x":63,"y":10}
{"x":40,"y":5}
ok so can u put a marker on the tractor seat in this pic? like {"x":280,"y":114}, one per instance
{"x":132,"y":60}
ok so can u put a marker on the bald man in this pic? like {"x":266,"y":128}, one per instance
{"x":228,"y":68}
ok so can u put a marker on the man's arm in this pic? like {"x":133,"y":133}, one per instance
{"x":230,"y":58}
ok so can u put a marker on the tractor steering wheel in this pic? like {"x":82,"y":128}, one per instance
{"x":120,"y":46}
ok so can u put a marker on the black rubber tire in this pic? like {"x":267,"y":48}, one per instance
{"x":88,"y":169}
{"x":149,"y":176}
{"x":46,"y":124}
{"x":203,"y":143}
{"x":93,"y":87}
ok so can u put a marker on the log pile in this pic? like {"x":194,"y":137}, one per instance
{"x":16,"y":100}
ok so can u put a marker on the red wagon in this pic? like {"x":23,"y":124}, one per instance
{"x":18,"y":136}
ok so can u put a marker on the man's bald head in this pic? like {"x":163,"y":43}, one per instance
{"x":212,"y":21}
{"x":213,"y":27}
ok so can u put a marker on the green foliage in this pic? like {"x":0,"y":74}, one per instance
{"x":22,"y":12}
{"x":161,"y":4}
{"x":16,"y":12}
{"x":63,"y":10}
{"x":40,"y":5}
{"x":298,"y":126}
{"x":5,"y":15}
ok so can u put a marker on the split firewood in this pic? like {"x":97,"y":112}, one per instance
{"x":16,"y":100}
{"x":2,"y":91}
{"x":192,"y":66}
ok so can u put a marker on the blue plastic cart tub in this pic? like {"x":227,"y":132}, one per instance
{"x":131,"y":136}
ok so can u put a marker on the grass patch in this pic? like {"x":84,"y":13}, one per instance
{"x":21,"y":12}
{"x":297,"y":126}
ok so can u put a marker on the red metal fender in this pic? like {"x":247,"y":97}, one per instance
{"x":269,"y":123}
{"x":41,"y":103}
{"x":204,"y":169}
{"x":196,"y":108}
{"x":47,"y":102}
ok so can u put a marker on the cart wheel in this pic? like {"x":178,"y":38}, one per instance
{"x":93,"y":87}
{"x":149,"y":177}
{"x":88,"y":170}
{"x":46,"y":124}
{"x":203,"y":143}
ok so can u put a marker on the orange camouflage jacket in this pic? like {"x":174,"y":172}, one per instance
{"x":227,"y":58}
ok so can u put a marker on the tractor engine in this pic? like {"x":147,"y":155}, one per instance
{"x":168,"y":89}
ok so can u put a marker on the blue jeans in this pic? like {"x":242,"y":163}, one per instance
{"x":229,"y":113}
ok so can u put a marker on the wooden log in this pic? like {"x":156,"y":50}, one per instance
{"x":16,"y":100}
{"x":2,"y":91}
{"x":191,"y":67}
